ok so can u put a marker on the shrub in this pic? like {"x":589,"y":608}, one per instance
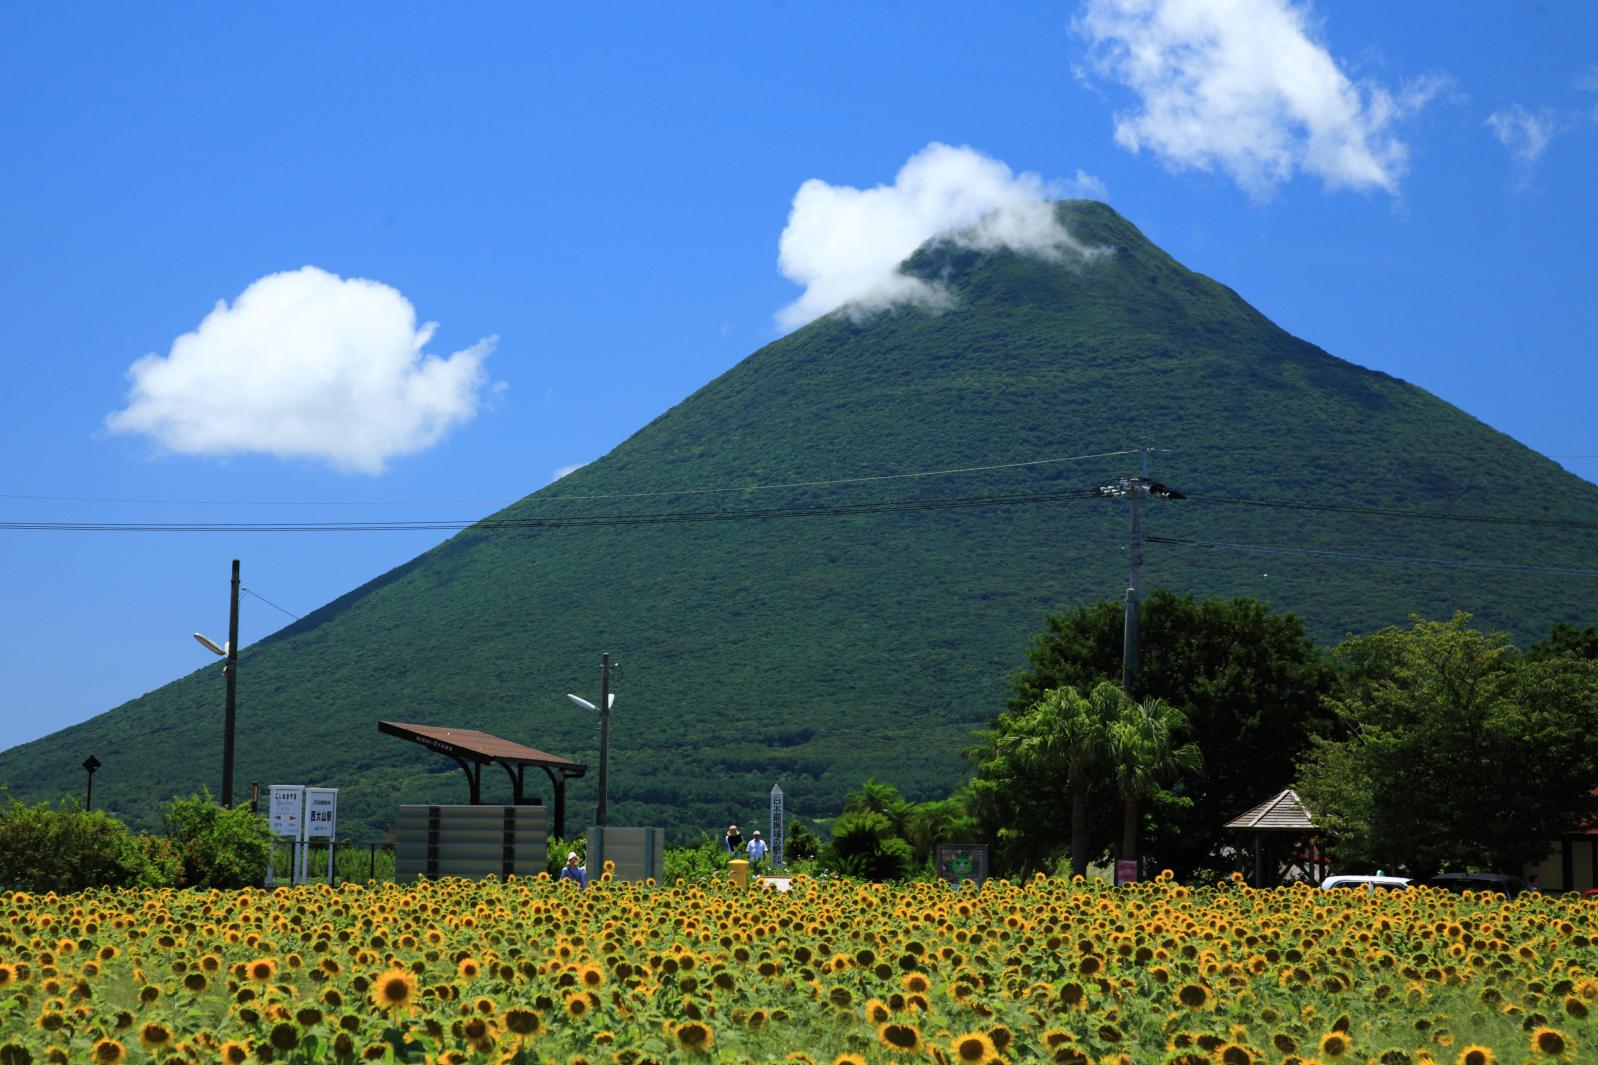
{"x":214,"y":846}
{"x":863,"y":845}
{"x":65,"y":848}
{"x":698,"y":864}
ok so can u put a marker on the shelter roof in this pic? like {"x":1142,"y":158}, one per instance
{"x":1283,"y":812}
{"x":478,"y":746}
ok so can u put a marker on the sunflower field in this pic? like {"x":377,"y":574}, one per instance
{"x":1047,"y":970}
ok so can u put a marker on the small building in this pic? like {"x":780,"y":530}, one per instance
{"x":1283,"y":839}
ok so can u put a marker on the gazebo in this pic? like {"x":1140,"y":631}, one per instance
{"x":1285,"y":840}
{"x":472,"y":750}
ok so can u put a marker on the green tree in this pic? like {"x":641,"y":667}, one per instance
{"x":1457,"y":750}
{"x":216,"y":846}
{"x":863,"y":845}
{"x":1026,"y":761}
{"x":67,"y":848}
{"x":1144,"y":754}
{"x":1566,"y":641}
{"x":1250,"y":682}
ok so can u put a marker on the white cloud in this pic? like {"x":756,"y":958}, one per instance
{"x":844,"y":244}
{"x":1243,"y":86}
{"x":1587,"y":80}
{"x":305,"y":364}
{"x":564,"y":470}
{"x":1525,"y":134}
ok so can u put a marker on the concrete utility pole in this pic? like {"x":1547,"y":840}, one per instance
{"x":1134,"y":489}
{"x":604,"y":732}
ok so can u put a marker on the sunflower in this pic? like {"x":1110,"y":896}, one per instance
{"x":108,"y":1052}
{"x":1551,"y":1043}
{"x":395,"y":991}
{"x":284,"y":1037}
{"x":261,"y":970}
{"x":1335,"y":1044}
{"x":1477,"y":1055}
{"x":695,"y":1037}
{"x":900,"y":1038}
{"x":520,"y":1021}
{"x":877,"y":1011}
{"x":974,"y":1047}
{"x":154,"y":1036}
{"x":468,"y":968}
{"x":577,"y":1005}
{"x":234,"y":1052}
{"x":1193,"y":996}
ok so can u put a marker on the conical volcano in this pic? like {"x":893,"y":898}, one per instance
{"x":788,"y":607}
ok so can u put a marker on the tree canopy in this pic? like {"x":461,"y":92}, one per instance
{"x":1249,"y":681}
{"x":1456,"y":750}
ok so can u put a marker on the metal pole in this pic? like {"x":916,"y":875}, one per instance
{"x":604,"y":732}
{"x":232,"y":672}
{"x":88,"y":793}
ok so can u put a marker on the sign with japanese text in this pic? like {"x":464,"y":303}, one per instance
{"x":776,"y":827}
{"x":321,"y":813}
{"x":286,"y":810}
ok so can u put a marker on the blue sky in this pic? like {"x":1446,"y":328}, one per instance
{"x":590,"y":205}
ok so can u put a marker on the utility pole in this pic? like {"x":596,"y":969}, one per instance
{"x":604,"y":732}
{"x":231,"y":671}
{"x":1134,"y":489}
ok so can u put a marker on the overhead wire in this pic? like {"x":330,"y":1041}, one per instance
{"x":268,"y":602}
{"x":556,"y":496}
{"x":1358,"y":556}
{"x":489,"y":524}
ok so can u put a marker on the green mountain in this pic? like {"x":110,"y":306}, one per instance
{"x":855,"y":639}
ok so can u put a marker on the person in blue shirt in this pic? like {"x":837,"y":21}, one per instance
{"x":756,"y":848}
{"x":573,"y":871}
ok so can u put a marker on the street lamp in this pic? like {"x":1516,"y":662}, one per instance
{"x":230,"y":670}
{"x":607,"y":699}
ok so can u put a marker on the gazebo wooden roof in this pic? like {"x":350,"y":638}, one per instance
{"x":1276,"y":822}
{"x":472,"y":750}
{"x":1283,"y":812}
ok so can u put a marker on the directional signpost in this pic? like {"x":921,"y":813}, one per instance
{"x":321,"y":823}
{"x":776,"y":827}
{"x":287,"y":814}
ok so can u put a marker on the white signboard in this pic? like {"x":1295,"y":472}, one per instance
{"x":321,"y":812}
{"x":285,"y":810}
{"x":776,"y":827}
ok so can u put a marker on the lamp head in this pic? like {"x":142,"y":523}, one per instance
{"x":580,"y":701}
{"x":210,"y":645}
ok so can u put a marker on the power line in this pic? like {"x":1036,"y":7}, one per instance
{"x":1356,"y":556}
{"x":1386,"y":512}
{"x":268,"y":602}
{"x":490,"y":524}
{"x":565,"y":498}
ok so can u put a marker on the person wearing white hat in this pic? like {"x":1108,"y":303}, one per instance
{"x":573,"y":871}
{"x":756,"y":848}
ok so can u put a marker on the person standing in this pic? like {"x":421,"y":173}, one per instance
{"x":573,"y":871}
{"x":734,"y":841}
{"x":756,"y":849}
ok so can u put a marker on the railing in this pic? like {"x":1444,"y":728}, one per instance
{"x":352,"y":862}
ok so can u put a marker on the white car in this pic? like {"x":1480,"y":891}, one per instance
{"x":1369,"y":883}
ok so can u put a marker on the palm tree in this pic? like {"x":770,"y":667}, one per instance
{"x":1065,"y":731}
{"x":1145,"y":755}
